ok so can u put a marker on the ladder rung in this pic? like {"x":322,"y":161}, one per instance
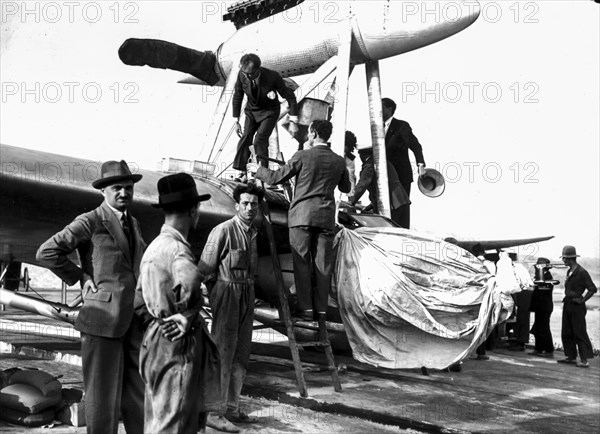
{"x":313,"y":344}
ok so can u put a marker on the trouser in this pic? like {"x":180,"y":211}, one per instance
{"x":312,"y":253}
{"x":172,"y":373}
{"x":401,"y":216}
{"x":522,"y":301}
{"x":574,"y":331}
{"x":263,"y":130}
{"x":112,"y":381}
{"x":541,"y":301}
{"x":232,"y":306}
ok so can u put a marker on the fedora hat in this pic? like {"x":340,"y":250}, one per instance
{"x":569,"y":252}
{"x":114,"y":171}
{"x":542,"y":261}
{"x":177,"y":188}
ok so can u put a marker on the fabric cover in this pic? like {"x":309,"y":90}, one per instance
{"x":409,"y":301}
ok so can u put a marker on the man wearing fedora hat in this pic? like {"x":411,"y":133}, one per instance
{"x":574,"y":330}
{"x":178,"y":359}
{"x":229,"y":262}
{"x":110,"y":246}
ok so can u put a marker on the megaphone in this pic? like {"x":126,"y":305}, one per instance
{"x":431,"y":183}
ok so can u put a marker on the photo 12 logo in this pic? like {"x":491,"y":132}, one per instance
{"x":70,"y":12}
{"x":69,"y":92}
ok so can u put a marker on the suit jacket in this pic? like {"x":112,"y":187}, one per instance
{"x":368,"y":182}
{"x":398,"y":140}
{"x":318,"y":172}
{"x":104,"y":254}
{"x":259,"y":104}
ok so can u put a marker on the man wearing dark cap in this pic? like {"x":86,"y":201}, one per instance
{"x":178,"y":358}
{"x":229,"y":261}
{"x":110,"y":247}
{"x":574,"y":329}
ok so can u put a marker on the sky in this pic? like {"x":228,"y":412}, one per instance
{"x":506,"y":110}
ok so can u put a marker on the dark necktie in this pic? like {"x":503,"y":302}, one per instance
{"x":127,"y":231}
{"x":253,"y":86}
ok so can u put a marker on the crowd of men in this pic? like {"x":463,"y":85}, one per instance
{"x":146,"y":351}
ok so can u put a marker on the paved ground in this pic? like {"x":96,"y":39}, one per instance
{"x":511,"y":392}
{"x":274,"y":417}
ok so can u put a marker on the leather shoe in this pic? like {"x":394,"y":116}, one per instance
{"x":583,"y":364}
{"x":483,"y":357}
{"x":545,"y":354}
{"x":220,"y":423}
{"x":567,"y":360}
{"x":241,"y":417}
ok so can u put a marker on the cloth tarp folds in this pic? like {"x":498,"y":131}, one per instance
{"x":409,"y":301}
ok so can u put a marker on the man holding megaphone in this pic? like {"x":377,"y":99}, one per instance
{"x":399,"y":138}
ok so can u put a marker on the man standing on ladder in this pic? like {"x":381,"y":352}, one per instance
{"x":261,"y":86}
{"x":311,"y":217}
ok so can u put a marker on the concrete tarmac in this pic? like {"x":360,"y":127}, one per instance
{"x":510,"y":392}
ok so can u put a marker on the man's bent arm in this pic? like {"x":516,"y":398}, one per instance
{"x":290,"y":169}
{"x":53,"y":254}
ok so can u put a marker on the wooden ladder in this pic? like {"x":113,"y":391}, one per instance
{"x":285,"y":315}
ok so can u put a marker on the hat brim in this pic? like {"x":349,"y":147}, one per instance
{"x":199,"y":198}
{"x":569,"y":256}
{"x":105,"y":182}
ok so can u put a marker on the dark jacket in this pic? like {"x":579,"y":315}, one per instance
{"x":104,"y":254}
{"x":368,"y":182}
{"x":318,"y":172}
{"x":398,"y":140}
{"x":577,"y":282}
{"x":261,"y":105}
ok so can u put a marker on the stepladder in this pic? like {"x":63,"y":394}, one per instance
{"x":322,"y":342}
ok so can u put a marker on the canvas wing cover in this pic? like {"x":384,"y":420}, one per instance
{"x":409,"y":301}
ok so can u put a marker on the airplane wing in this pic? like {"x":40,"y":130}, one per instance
{"x":500,"y":244}
{"x":41,"y":192}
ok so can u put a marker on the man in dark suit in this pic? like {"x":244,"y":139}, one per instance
{"x":110,"y":247}
{"x":399,"y":138}
{"x":261,"y":86}
{"x":368,"y":182}
{"x":311,"y":217}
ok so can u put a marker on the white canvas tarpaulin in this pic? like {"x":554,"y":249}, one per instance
{"x":409,"y":301}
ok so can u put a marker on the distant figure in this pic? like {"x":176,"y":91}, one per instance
{"x":522,"y":303}
{"x":261,"y":86}
{"x":368,"y":182}
{"x":110,"y":246}
{"x":399,"y":138}
{"x":349,"y":147}
{"x":311,"y":219}
{"x":574,"y":329}
{"x":542,"y":305}
{"x":230,"y":263}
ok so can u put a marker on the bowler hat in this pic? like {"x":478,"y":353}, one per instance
{"x":569,"y":252}
{"x":114,"y":171}
{"x":177,"y":188}
{"x":542,"y":261}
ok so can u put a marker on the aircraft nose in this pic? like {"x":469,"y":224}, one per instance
{"x":399,"y":27}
